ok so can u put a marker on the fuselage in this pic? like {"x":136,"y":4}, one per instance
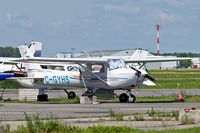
{"x":106,"y":76}
{"x":54,"y":79}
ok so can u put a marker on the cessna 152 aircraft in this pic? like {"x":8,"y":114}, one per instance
{"x":91,"y":73}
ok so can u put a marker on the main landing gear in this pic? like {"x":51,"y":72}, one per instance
{"x":127,"y":97}
{"x":43,"y":97}
{"x":70,"y":94}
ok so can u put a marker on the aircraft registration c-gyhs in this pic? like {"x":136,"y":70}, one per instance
{"x":91,"y":73}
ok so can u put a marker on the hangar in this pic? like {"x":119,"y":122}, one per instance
{"x":126,"y":53}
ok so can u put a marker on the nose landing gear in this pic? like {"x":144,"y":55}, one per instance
{"x":71,"y":94}
{"x":127,"y":97}
{"x":132,"y":98}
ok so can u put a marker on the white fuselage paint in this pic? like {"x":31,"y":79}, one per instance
{"x":56,"y":79}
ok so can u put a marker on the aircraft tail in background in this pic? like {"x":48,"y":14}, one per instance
{"x":139,"y":53}
{"x":32,"y":50}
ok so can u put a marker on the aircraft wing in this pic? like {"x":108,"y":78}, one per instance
{"x":7,"y":60}
{"x":160,"y":59}
{"x":42,"y":60}
{"x":79,"y":61}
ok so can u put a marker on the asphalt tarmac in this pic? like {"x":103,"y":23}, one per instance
{"x":15,"y":111}
{"x":13,"y":93}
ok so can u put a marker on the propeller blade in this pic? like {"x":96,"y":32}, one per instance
{"x":135,"y":69}
{"x":148,"y":83}
{"x":150,"y":77}
{"x":146,"y":73}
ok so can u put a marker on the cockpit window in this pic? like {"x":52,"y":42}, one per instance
{"x":50,"y":67}
{"x":72,"y":68}
{"x":116,"y":63}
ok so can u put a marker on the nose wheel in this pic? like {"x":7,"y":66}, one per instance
{"x":71,"y":94}
{"x":132,"y":98}
{"x":123,"y":98}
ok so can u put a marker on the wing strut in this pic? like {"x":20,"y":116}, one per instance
{"x":103,"y":81}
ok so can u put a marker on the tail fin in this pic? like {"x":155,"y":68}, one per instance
{"x":139,"y":53}
{"x":32,"y":50}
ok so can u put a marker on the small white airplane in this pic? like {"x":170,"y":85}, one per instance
{"x":91,"y":73}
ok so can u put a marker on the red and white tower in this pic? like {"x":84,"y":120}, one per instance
{"x":158,"y":38}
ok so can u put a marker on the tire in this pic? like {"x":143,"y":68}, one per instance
{"x":123,"y":98}
{"x":42,"y":97}
{"x":132,"y":98}
{"x":71,"y":95}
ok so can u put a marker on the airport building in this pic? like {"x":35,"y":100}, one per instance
{"x":127,"y":53}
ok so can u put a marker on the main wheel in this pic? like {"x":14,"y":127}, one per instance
{"x":71,"y":95}
{"x":123,"y":98}
{"x":42,"y":97}
{"x":132,"y":98}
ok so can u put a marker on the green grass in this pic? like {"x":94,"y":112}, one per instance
{"x":9,"y":84}
{"x":157,"y":99}
{"x":188,"y":130}
{"x":35,"y":125}
{"x":176,"y":78}
{"x":146,"y":99}
{"x":64,"y":100}
{"x":177,"y":70}
{"x":172,"y":98}
{"x":116,"y":116}
{"x":164,"y":99}
{"x":151,"y":99}
{"x":100,"y":129}
{"x":160,"y":115}
{"x":138,"y":117}
{"x":50,"y":100}
{"x":194,"y":98}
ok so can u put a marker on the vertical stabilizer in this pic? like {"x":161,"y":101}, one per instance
{"x":32,"y":50}
{"x":139,"y":53}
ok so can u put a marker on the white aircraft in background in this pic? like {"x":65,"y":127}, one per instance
{"x":90,"y":73}
{"x":8,"y":70}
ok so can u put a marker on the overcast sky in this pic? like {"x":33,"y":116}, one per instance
{"x":101,"y":24}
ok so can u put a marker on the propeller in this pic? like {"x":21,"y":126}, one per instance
{"x":143,"y":71}
{"x":148,"y":76}
{"x":137,"y":70}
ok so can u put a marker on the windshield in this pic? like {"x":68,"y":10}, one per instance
{"x":72,"y":68}
{"x":116,"y":63}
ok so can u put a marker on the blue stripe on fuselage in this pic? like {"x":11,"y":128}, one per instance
{"x":97,"y":78}
{"x":4,"y":76}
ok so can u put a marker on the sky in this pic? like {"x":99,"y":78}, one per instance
{"x":101,"y":24}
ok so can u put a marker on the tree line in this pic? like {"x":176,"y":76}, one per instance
{"x":183,"y":63}
{"x":184,"y":54}
{"x":9,"y":52}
